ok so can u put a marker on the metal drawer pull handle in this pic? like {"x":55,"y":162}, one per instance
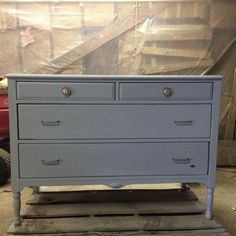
{"x":50,"y":123}
{"x":167,"y":92}
{"x":181,"y":160}
{"x":66,"y":92}
{"x":51,"y":163}
{"x":183,"y":122}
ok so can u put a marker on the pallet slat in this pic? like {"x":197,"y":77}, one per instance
{"x":176,"y":52}
{"x":116,"y":223}
{"x":179,"y":35}
{"x":72,"y":210}
{"x":118,"y":213}
{"x":211,"y":232}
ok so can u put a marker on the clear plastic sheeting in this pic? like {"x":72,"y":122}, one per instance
{"x":121,"y":37}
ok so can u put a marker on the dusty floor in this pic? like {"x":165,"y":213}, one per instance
{"x":224,"y":205}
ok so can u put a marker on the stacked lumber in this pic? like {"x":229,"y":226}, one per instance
{"x":176,"y":39}
{"x":177,"y":47}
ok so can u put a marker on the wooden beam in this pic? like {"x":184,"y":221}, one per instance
{"x":111,"y":32}
{"x":176,"y":66}
{"x":176,"y":52}
{"x":179,"y":27}
{"x":175,"y":35}
{"x":230,"y":123}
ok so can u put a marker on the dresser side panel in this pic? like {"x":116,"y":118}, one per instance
{"x":214,"y":133}
{"x":13,"y":135}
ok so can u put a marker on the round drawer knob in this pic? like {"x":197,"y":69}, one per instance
{"x":167,"y":92}
{"x":66,"y":92}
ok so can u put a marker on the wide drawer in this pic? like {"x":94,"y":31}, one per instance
{"x":113,"y":121}
{"x":166,"y":91}
{"x":54,"y":90}
{"x":112,"y":159}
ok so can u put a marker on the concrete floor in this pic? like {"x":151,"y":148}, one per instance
{"x":224,"y":205}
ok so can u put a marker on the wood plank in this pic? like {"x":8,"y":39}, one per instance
{"x":179,"y":35}
{"x":226,"y":153}
{"x":178,"y":27}
{"x":230,"y":124}
{"x":176,"y":52}
{"x":65,"y":210}
{"x":100,"y":224}
{"x":103,"y":61}
{"x":169,"y":61}
{"x":209,"y":232}
{"x":190,"y":20}
{"x":114,"y":30}
{"x":162,"y":68}
{"x":77,"y":68}
{"x":112,"y":196}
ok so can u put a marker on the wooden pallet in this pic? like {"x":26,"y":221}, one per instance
{"x":113,"y":213}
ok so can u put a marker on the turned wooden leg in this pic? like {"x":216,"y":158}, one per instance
{"x":36,"y":190}
{"x":17,"y":206}
{"x":209,"y":203}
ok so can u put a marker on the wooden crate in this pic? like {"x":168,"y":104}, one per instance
{"x":113,"y":213}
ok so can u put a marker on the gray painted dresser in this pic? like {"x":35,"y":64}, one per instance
{"x":113,"y":130}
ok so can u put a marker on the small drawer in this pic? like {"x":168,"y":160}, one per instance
{"x":112,"y":159}
{"x":165,"y":91}
{"x":54,"y":90}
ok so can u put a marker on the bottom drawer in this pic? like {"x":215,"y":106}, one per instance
{"x":112,"y":159}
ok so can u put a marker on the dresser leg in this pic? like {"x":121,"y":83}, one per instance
{"x":209,"y":203}
{"x":184,"y":186}
{"x":17,"y":206}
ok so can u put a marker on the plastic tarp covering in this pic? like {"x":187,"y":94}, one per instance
{"x":121,"y":37}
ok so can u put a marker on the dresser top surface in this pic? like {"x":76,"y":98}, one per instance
{"x":116,"y":77}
